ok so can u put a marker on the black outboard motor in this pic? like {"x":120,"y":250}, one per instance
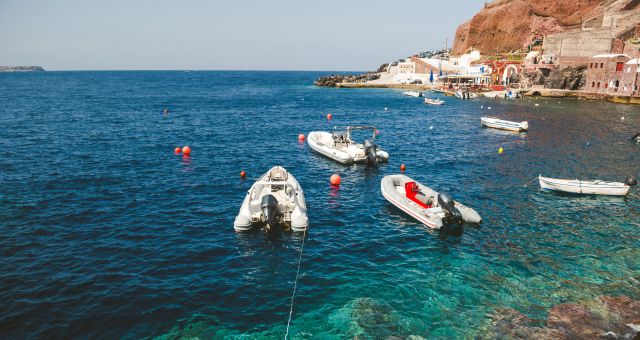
{"x":270,"y":211}
{"x":635,"y":137}
{"x":631,"y":181}
{"x":452,"y":221}
{"x":370,"y":152}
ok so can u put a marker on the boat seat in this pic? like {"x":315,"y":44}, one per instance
{"x":278,"y":174}
{"x":413,"y":193}
{"x":428,"y":201}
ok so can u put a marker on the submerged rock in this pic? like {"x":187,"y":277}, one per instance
{"x":603,"y":318}
{"x":366,"y":318}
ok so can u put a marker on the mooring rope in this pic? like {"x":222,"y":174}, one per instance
{"x":525,"y":185}
{"x":295,"y":284}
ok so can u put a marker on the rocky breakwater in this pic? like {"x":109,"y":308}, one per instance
{"x":335,"y":80}
{"x":606,"y":317}
{"x":21,"y":69}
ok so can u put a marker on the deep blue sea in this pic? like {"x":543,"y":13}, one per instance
{"x":106,"y":233}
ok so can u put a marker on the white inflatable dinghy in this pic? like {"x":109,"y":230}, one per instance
{"x":433,"y":209}
{"x":341,"y":147}
{"x":275,"y":202}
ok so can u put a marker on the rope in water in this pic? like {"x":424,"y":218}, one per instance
{"x":530,"y":181}
{"x":295,"y":284}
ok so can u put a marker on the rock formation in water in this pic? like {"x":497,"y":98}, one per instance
{"x":606,"y":317}
{"x":21,"y":69}
{"x":333,"y":80}
{"x":509,"y":25}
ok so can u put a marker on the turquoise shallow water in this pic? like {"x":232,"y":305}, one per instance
{"x":105,"y":232}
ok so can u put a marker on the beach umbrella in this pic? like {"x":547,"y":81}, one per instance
{"x":431,"y":76}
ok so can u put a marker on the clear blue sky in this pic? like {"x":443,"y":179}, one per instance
{"x":224,"y":35}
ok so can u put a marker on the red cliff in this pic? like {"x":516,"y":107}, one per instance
{"x":510,"y":25}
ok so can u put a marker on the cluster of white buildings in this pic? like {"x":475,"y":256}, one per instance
{"x":425,"y":70}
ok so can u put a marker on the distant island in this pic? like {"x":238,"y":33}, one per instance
{"x":21,"y":69}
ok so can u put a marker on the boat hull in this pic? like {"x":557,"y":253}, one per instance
{"x":291,"y":203}
{"x":433,"y":101}
{"x":504,"y":124}
{"x":584,"y":187}
{"x":319,"y":141}
{"x":430,"y":217}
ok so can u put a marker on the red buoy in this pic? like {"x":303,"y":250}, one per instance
{"x":301,"y":137}
{"x":243,"y":174}
{"x":403,"y":168}
{"x":177,"y":151}
{"x":186,"y":150}
{"x":335,"y":179}
{"x":329,"y":116}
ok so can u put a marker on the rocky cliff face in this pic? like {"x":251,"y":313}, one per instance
{"x":566,"y":78}
{"x":509,"y":25}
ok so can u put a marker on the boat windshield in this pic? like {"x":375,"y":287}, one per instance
{"x":360,"y":133}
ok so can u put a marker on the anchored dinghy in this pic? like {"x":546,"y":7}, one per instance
{"x":431,"y":101}
{"x":433,"y":209}
{"x":341,"y":147}
{"x":275,"y":202}
{"x":576,"y":186}
{"x":413,"y":93}
{"x":500,"y":124}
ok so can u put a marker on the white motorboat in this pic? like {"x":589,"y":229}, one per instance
{"x":433,"y":209}
{"x":576,"y":186}
{"x":496,"y":123}
{"x":433,"y":101}
{"x":341,"y":147}
{"x":275,"y":202}
{"x":413,"y":93}
{"x":501,"y":94}
{"x":460,"y":94}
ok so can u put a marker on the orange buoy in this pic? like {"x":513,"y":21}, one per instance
{"x":335,"y":179}
{"x":403,"y":168}
{"x":243,"y":174}
{"x":186,"y":150}
{"x":177,"y":151}
{"x":329,"y":116}
{"x":301,"y":137}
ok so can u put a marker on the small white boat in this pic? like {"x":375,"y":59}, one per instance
{"x":341,"y":147}
{"x":496,"y":123}
{"x":433,"y":101}
{"x":275,"y":202}
{"x":576,"y":186}
{"x":413,"y":93}
{"x":501,"y":94}
{"x":433,"y":209}
{"x":465,"y":95}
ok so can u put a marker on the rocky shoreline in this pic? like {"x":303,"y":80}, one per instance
{"x":335,"y":80}
{"x":21,"y":69}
